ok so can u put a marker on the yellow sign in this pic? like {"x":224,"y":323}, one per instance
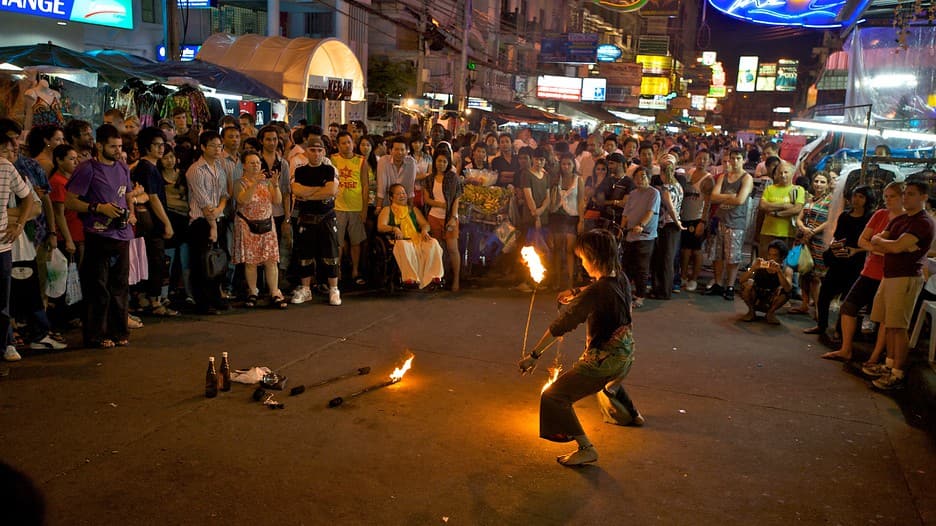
{"x":655,"y":86}
{"x":655,"y":64}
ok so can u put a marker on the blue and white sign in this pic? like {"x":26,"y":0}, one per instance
{"x":111,"y":13}
{"x":187,"y":53}
{"x":197,"y":4}
{"x":609,"y":53}
{"x":594,"y":89}
{"x":820,"y":14}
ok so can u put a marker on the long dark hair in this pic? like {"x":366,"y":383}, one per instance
{"x":601,"y":249}
{"x":448,"y":158}
{"x":871,"y":199}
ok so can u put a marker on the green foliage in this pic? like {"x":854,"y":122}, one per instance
{"x":391,"y":78}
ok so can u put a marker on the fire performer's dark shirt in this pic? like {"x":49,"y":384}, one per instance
{"x":605,"y":305}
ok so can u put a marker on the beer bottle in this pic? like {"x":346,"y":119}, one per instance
{"x":211,"y":379}
{"x":225,"y":372}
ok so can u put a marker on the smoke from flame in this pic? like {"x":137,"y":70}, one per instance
{"x":553,"y":374}
{"x":398,"y":373}
{"x":532,"y":260}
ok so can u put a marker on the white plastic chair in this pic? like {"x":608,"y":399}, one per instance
{"x":927,"y":309}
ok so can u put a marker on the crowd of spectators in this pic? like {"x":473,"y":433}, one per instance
{"x":204,"y":213}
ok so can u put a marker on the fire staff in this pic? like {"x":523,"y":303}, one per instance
{"x":605,"y":306}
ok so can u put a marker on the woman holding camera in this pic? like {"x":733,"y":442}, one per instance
{"x":255,"y":241}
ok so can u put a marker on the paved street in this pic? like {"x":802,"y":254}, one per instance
{"x":745,"y":425}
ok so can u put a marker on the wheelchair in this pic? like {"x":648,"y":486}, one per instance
{"x":383,"y":272}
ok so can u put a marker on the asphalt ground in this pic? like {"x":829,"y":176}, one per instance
{"x":745,"y":424}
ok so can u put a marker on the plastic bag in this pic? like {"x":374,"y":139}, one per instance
{"x":56,"y":274}
{"x":805,"y":262}
{"x":793,"y":256}
{"x":72,"y":285}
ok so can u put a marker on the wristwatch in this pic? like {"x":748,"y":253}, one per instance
{"x":92,"y":207}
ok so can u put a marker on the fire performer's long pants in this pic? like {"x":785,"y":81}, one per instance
{"x":596,"y":369}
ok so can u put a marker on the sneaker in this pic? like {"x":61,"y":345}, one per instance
{"x":889,"y":382}
{"x":729,"y":294}
{"x":639,"y":420}
{"x":692,"y":285}
{"x":714,"y":290}
{"x":47,"y":344}
{"x":334,"y":297}
{"x":876,"y":370}
{"x":301,"y":295}
{"x":11,"y":355}
{"x":677,"y":288}
{"x":867,"y":326}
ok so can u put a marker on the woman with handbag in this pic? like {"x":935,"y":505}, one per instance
{"x":810,"y":223}
{"x":255,"y":241}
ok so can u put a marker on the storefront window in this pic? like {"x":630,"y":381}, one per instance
{"x":151,"y":11}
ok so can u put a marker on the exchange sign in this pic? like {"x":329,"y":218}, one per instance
{"x":111,"y":13}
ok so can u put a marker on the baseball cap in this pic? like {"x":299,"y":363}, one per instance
{"x":616,"y":158}
{"x":668,"y":158}
{"x":316,"y":142}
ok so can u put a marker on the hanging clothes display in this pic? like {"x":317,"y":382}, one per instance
{"x":192,"y":100}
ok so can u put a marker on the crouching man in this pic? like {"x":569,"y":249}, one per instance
{"x":766,"y":285}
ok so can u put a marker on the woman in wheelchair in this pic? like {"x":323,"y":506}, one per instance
{"x":417,"y":254}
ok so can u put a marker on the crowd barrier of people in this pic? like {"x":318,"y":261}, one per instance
{"x":170,"y":218}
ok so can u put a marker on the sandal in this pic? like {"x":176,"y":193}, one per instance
{"x":122,"y":342}
{"x":360,"y":281}
{"x":105,"y":343}
{"x":251,"y":301}
{"x":279,"y":302}
{"x":162,"y":310}
{"x":134,"y":323}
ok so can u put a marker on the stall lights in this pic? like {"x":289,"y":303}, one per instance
{"x":841,"y":128}
{"x":909,"y":135}
{"x":890,"y":81}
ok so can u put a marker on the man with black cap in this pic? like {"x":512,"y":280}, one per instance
{"x":315,"y":186}
{"x":613,"y":191}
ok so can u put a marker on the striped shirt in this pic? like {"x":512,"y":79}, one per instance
{"x":10,"y":181}
{"x":207,"y":186}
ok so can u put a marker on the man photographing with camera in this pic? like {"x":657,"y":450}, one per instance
{"x":101,"y":192}
{"x":766,"y":285}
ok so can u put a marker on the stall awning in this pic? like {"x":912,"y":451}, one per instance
{"x":523,"y":113}
{"x":285,"y":64}
{"x":596,"y":112}
{"x":49,"y":54}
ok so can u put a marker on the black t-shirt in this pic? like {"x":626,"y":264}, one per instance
{"x":147,"y":175}
{"x":605,"y":305}
{"x":613,"y":190}
{"x":500,"y":165}
{"x":316,"y":176}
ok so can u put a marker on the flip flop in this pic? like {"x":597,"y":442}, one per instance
{"x":835,"y":357}
{"x":360,"y":281}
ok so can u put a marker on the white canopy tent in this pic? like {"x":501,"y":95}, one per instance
{"x":285,"y":64}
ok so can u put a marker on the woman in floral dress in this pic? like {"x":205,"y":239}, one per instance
{"x":255,"y":241}
{"x":811,"y":222}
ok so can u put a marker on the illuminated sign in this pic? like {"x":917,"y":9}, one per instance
{"x":710,"y":103}
{"x":570,"y":48}
{"x":188,"y":53}
{"x":481,"y":104}
{"x":609,"y":53}
{"x":594,"y":89}
{"x":747,"y":74}
{"x":782,"y":109}
{"x":787,"y":72}
{"x":718,"y":74}
{"x":717,"y":91}
{"x":766,"y":76}
{"x":652,"y":103}
{"x":559,"y":88}
{"x":624,"y":6}
{"x":779,"y":124}
{"x":197,"y":4}
{"x":708,"y":58}
{"x":655,"y":86}
{"x":655,"y":64}
{"x":698,"y":102}
{"x":813,"y":13}
{"x":110,"y":13}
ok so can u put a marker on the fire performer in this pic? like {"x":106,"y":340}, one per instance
{"x":609,"y":352}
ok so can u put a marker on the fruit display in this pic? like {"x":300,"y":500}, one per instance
{"x":486,"y":199}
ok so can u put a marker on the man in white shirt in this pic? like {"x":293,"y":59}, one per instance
{"x":10,"y":182}
{"x":397,"y":167}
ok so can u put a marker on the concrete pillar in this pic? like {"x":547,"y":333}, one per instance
{"x":273,"y":16}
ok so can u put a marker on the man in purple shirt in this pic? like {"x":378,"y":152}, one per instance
{"x":100,"y":191}
{"x":904,"y":243}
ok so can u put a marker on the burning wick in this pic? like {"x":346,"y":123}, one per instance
{"x":553,"y":375}
{"x":537,"y":271}
{"x":394,"y":377}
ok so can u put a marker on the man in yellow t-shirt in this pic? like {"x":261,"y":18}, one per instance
{"x":349,"y":203}
{"x":781,"y":202}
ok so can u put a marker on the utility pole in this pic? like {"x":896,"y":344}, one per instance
{"x":421,"y":52}
{"x":171,"y":29}
{"x":460,"y":79}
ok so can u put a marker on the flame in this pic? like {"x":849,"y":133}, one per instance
{"x":398,"y":373}
{"x":553,"y":375}
{"x":532,"y":260}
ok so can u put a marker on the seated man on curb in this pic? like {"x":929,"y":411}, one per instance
{"x":766,"y":285}
{"x":418,"y":254}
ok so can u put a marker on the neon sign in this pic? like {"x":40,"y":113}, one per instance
{"x":821,"y":14}
{"x":111,"y":13}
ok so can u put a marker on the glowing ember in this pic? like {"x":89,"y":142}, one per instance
{"x":398,"y":373}
{"x":532,"y":260}
{"x":553,"y":374}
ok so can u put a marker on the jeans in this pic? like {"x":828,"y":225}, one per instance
{"x":637,"y":264}
{"x":104,"y":275}
{"x":664,"y":257}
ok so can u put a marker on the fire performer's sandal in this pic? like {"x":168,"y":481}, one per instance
{"x":583,"y":455}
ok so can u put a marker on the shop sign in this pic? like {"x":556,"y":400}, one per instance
{"x":188,"y":53}
{"x":329,"y":88}
{"x":570,"y":48}
{"x":656,"y":64}
{"x":787,"y":73}
{"x":559,"y":88}
{"x":717,"y":91}
{"x":698,"y":102}
{"x":621,"y":73}
{"x":817,"y":14}
{"x":608,"y":53}
{"x":655,"y":86}
{"x":766,"y":76}
{"x":197,"y":4}
{"x":624,"y":6}
{"x":594,"y":89}
{"x":710,"y":103}
{"x":655,"y":102}
{"x":110,"y":13}
{"x":747,"y":74}
{"x":708,"y":58}
{"x":479,"y":103}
